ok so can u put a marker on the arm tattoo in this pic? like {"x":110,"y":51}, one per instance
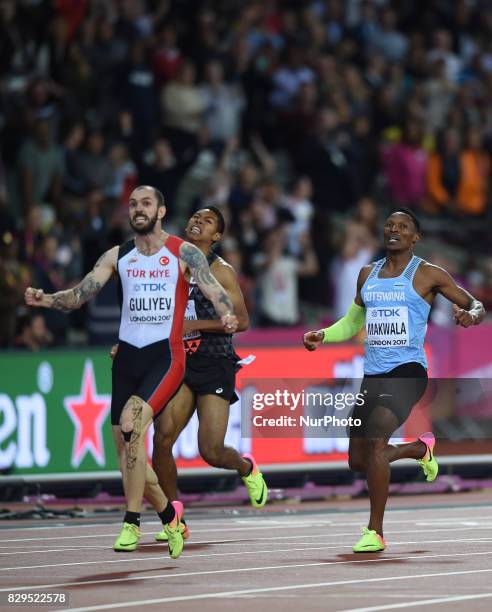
{"x":212,"y":289}
{"x":98,"y":262}
{"x":135,"y":405}
{"x":74,"y":298}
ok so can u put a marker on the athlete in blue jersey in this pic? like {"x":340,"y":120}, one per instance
{"x":393,"y":300}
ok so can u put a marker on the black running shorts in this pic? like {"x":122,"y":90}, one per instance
{"x":398,"y":390}
{"x":154,"y":373}
{"x":211,"y":376}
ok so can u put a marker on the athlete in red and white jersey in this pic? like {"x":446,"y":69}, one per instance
{"x":153,"y":271}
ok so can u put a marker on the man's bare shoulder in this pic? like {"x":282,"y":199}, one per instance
{"x":221,"y":263}
{"x":365,"y":271}
{"x":223,"y":270}
{"x":431,"y":270}
{"x":108,"y":258}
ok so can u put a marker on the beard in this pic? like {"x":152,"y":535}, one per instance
{"x":144,"y":230}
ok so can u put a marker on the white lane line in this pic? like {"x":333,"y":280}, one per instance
{"x":323,"y":515}
{"x":480,"y":527}
{"x":221,"y":542}
{"x":235,"y":570}
{"x":54,"y":550}
{"x":117,"y":526}
{"x":421,"y":602}
{"x":291,"y":587}
{"x":71,"y":525}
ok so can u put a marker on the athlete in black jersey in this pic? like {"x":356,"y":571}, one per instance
{"x":209,"y":381}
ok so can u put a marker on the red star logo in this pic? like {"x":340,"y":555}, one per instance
{"x":88,"y":412}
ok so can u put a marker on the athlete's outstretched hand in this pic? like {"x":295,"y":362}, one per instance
{"x":463,"y":317}
{"x":34,"y":297}
{"x":312,"y":340}
{"x":230,"y":323}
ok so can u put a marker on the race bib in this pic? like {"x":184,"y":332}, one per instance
{"x":387,"y":327}
{"x":147,"y":308}
{"x":190,"y":315}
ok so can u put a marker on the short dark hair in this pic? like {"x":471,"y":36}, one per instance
{"x":159,"y":197}
{"x":220,"y":217}
{"x":409,"y":213}
{"x":158,"y":194}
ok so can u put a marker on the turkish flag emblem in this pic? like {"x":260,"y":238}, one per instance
{"x":164,"y":260}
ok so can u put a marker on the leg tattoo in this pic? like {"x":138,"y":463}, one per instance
{"x":132,"y":450}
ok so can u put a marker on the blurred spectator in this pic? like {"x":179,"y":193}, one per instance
{"x":167,"y":56}
{"x":278,"y":275}
{"x":14,"y":279}
{"x":242,"y":191}
{"x":363,"y":156}
{"x":41,"y":167}
{"x":109,"y":51}
{"x":42,"y":102}
{"x":288,"y":79}
{"x":93,"y":167}
{"x":223,"y":104}
{"x":388,"y":39}
{"x":231,"y":252}
{"x":443,"y":49}
{"x":139,"y":97}
{"x":48,"y":275}
{"x":367,"y":214}
{"x":440,"y":92}
{"x":443,"y":174}
{"x":34,"y":229}
{"x":265,"y":206}
{"x":15,"y":54}
{"x":458,"y":179}
{"x":405,"y":166}
{"x":323,"y":157}
{"x":367,"y":28}
{"x":474,"y":191}
{"x":302,"y":210}
{"x":79,"y":76}
{"x":32,"y":334}
{"x":124,"y":173}
{"x":358,"y":249}
{"x":162,"y":169}
{"x":72,"y":143}
{"x":183,"y":107}
{"x":301,"y":119}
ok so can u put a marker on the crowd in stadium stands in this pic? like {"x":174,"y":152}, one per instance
{"x":305,"y":121}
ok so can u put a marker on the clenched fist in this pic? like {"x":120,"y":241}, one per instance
{"x":312,"y":340}
{"x":230,"y":323}
{"x":463,"y":317}
{"x":35,"y":297}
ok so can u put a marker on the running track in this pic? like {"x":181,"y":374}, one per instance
{"x":290,"y":557}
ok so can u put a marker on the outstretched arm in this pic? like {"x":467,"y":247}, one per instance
{"x":73,"y":298}
{"x":467,"y":309}
{"x":197,"y":263}
{"x":346,"y":327}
